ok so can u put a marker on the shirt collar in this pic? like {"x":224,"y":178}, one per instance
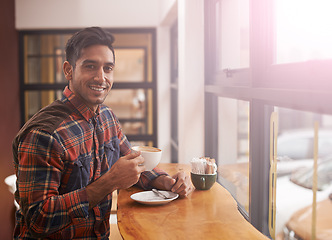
{"x":82,"y":108}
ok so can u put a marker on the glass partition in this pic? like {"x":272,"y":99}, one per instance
{"x":44,"y":55}
{"x":232,"y":24}
{"x":295,"y":173}
{"x":35,"y":100}
{"x":133,"y":109}
{"x":233,"y":146}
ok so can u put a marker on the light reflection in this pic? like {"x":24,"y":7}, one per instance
{"x":303,"y":30}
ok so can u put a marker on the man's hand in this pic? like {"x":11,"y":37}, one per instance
{"x":179,"y":183}
{"x":126,"y":171}
{"x":123,"y":174}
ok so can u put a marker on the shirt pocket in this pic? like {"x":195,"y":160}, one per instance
{"x":112,"y":151}
{"x":80,"y":173}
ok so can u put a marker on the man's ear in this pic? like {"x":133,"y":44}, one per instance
{"x":68,"y":70}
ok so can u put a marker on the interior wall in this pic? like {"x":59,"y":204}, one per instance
{"x":169,"y":16}
{"x":168,"y":11}
{"x":191,"y":79}
{"x":41,"y":14}
{"x":9,"y":108}
{"x":163,"y":88}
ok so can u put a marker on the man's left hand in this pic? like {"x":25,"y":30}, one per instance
{"x":179,"y":183}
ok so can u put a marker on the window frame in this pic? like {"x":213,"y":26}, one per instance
{"x":174,"y":92}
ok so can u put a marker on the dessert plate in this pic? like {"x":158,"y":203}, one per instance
{"x":151,"y":198}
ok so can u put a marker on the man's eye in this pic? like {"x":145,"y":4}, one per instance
{"x":108,"y":68}
{"x":90,"y":66}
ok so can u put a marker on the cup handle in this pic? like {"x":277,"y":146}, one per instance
{"x":215,"y":168}
{"x":203,"y":180}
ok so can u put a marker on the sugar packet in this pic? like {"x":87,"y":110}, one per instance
{"x":203,"y":165}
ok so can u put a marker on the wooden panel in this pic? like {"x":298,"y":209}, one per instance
{"x":10,"y":120}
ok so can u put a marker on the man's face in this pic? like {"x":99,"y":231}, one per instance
{"x":92,"y":78}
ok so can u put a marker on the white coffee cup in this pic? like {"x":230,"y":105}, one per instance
{"x":151,"y":155}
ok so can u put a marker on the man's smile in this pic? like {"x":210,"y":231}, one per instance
{"x":96,"y":88}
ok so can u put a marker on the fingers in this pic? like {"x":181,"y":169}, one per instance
{"x":127,"y":170}
{"x":182,"y":185}
{"x":140,"y":160}
{"x":180,"y":180}
{"x":132,"y":155}
{"x":136,"y":159}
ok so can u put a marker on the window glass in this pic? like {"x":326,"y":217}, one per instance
{"x":233,"y":159}
{"x":133,"y":57}
{"x":44,"y":55}
{"x":232,"y":27}
{"x":130,"y":65}
{"x":303,"y":30}
{"x":35,"y":100}
{"x":294,"y":183}
{"x":133,"y":108}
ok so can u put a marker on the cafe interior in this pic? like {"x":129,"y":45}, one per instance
{"x":246,"y":83}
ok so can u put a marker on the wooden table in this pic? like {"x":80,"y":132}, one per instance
{"x":210,"y":214}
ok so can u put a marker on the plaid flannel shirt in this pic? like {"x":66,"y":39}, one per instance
{"x":57,"y":153}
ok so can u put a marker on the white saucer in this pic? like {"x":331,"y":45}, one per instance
{"x":151,"y":198}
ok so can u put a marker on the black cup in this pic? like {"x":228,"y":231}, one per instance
{"x":203,"y":181}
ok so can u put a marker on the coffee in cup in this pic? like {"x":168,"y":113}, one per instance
{"x":151,"y":155}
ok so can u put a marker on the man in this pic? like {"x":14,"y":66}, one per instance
{"x":72,"y":154}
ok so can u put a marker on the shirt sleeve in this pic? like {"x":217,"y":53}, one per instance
{"x":148,"y":176}
{"x":39,"y":173}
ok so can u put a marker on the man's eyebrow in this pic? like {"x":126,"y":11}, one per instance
{"x":89,"y":61}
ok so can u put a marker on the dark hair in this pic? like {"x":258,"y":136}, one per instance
{"x":85,"y":38}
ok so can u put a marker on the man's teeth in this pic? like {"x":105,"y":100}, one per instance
{"x":97,"y":89}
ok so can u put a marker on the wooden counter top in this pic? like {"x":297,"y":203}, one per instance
{"x":210,"y":214}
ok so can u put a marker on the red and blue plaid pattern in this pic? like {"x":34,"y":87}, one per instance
{"x":56,"y":156}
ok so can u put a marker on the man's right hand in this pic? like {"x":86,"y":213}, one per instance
{"x":126,"y":171}
{"x":123,"y":174}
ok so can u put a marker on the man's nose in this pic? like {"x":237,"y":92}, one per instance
{"x":100,"y":75}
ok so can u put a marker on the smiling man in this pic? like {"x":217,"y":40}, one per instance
{"x":91,"y":77}
{"x":71,"y":155}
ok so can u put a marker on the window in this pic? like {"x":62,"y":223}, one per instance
{"x":133,"y":97}
{"x":229,"y":44}
{"x":269,"y":57}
